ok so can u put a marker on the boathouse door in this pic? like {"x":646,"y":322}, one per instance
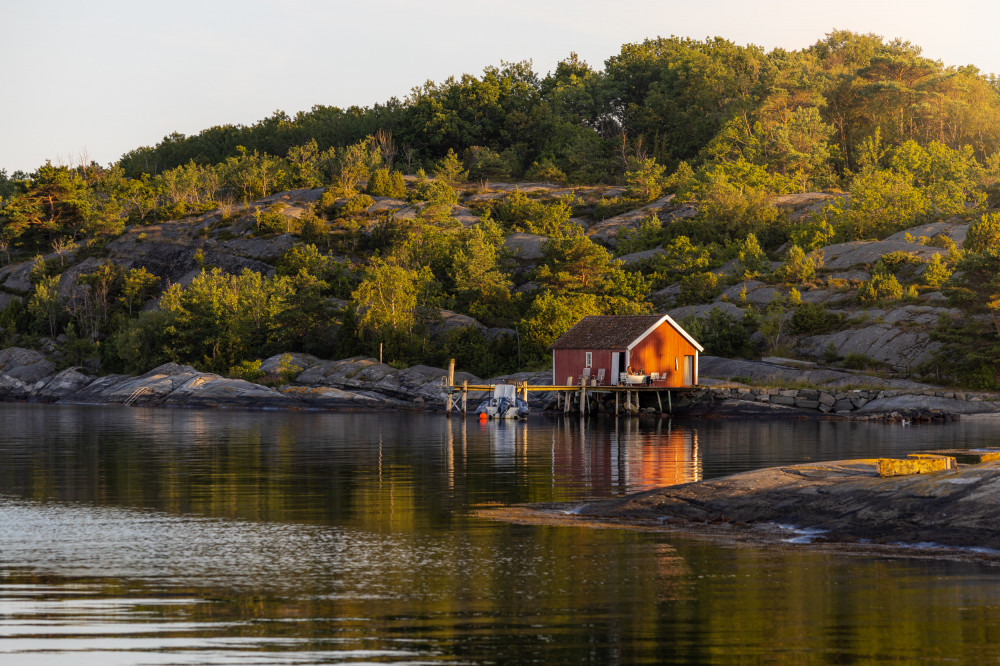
{"x":617,"y":366}
{"x":689,"y":371}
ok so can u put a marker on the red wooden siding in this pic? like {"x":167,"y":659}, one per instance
{"x":657,"y":353}
{"x":571,"y":362}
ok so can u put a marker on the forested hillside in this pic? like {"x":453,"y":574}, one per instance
{"x":528,"y":201}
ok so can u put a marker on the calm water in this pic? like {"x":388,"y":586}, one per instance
{"x":140,"y":536}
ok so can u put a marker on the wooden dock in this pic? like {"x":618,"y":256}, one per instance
{"x":569,"y":398}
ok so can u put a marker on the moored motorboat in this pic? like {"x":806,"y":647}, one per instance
{"x":504,"y":404}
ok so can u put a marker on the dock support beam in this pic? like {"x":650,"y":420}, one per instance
{"x":465,"y":397}
{"x":451,"y":387}
{"x":659,"y":402}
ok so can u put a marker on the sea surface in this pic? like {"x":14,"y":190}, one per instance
{"x":159,"y":536}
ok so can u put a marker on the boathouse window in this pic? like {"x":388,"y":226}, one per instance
{"x":590,"y":359}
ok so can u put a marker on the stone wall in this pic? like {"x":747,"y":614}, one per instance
{"x":925,"y":405}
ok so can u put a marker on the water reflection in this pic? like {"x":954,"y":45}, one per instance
{"x":161,"y":536}
{"x":615,"y":458}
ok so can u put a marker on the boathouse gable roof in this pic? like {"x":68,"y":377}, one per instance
{"x":675,"y":326}
{"x":615,"y":332}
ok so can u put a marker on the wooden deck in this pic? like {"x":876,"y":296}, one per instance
{"x":571,"y":398}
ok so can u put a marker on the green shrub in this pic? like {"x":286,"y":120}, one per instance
{"x":612,"y":206}
{"x":439,"y":195}
{"x":645,"y":180}
{"x":891,"y":262}
{"x":647,"y":236}
{"x":881,"y":287}
{"x":519,"y":212}
{"x":799,"y":267}
{"x":272,"y":222}
{"x":813,"y":318}
{"x":385,"y":183}
{"x":750,"y":258}
{"x":449,"y":169}
{"x":720,"y":333}
{"x":485,"y":164}
{"x":698,"y":288}
{"x":327,"y":204}
{"x":855,"y":361}
{"x":546,"y":170}
{"x":357,"y":204}
{"x":247,"y":370}
{"x":830,"y":354}
{"x":937,"y":272}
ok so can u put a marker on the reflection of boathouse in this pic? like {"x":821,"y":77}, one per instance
{"x":604,"y":347}
{"x":598,"y":461}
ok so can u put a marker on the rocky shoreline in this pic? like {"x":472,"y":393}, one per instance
{"x":299,"y":381}
{"x":915,"y":405}
{"x":843,"y":505}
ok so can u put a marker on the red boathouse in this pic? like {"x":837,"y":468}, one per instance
{"x":602,"y":348}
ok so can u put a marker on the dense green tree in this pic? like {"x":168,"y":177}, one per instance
{"x":138,"y":285}
{"x":720,"y":333}
{"x":46,"y":305}
{"x":385,"y":303}
{"x":519,"y":212}
{"x":386,"y":183}
{"x":482,"y":287}
{"x":221,"y":319}
{"x":551,"y":315}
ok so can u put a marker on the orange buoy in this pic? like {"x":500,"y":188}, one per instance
{"x":482,"y":416}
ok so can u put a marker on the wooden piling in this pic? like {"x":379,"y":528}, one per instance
{"x":616,"y":403}
{"x":659,"y":402}
{"x":465,"y":396}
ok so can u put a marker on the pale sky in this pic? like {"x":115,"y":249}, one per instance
{"x":96,"y":79}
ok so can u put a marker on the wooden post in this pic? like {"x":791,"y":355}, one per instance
{"x":465,"y":396}
{"x":616,"y":403}
{"x":583,"y":398}
{"x":525,"y":389}
{"x":450,"y":387}
{"x":659,"y":402}
{"x":670,"y":404}
{"x":569,"y":397}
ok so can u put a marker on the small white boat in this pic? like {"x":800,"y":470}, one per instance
{"x":504,"y":404}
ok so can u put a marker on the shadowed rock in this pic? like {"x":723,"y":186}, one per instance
{"x":846,"y":500}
